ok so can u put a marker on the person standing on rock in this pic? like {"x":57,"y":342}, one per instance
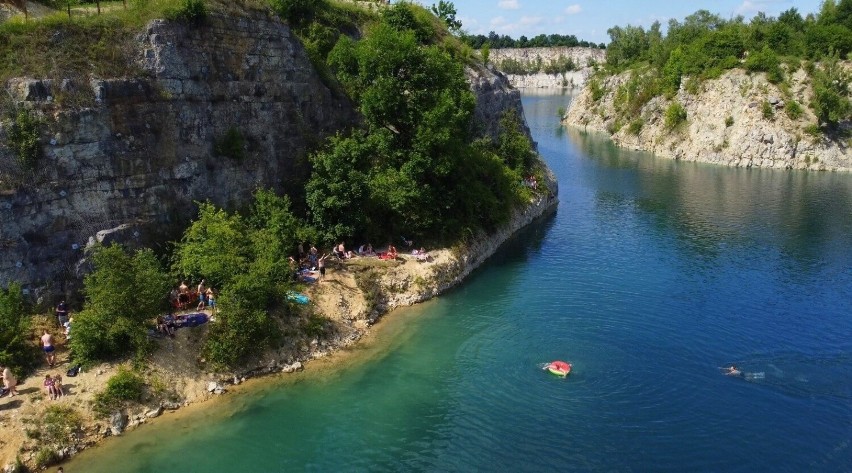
{"x":62,"y":313}
{"x":48,"y":348}
{"x":321,"y":266}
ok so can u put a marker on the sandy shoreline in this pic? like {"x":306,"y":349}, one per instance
{"x":338,"y":298}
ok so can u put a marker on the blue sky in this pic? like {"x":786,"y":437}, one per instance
{"x":589,"y":20}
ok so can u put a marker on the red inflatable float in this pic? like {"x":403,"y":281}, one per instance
{"x":559,"y":368}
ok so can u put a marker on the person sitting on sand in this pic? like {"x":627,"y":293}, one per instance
{"x":48,"y":387}
{"x":9,"y":382}
{"x":57,"y":385}
{"x":392,"y":252}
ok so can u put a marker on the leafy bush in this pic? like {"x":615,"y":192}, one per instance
{"x":122,"y":294}
{"x":297,"y":11}
{"x":765,"y":60}
{"x":24,"y":139}
{"x":57,"y":424}
{"x":729,"y":122}
{"x":189,"y":11}
{"x":231,"y":145}
{"x":830,"y":102}
{"x":15,"y":350}
{"x":767,"y":110}
{"x":793,"y":109}
{"x":675,"y":115}
{"x":596,"y":89}
{"x":125,"y":386}
{"x":46,"y":456}
{"x":635,"y":126}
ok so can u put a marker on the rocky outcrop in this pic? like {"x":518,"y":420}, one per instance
{"x":129,"y":165}
{"x":494,"y":96}
{"x":583,"y":58}
{"x":739,"y":119}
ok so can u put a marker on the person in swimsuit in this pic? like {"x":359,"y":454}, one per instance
{"x":733,"y":371}
{"x":48,"y":386}
{"x":49,"y":349}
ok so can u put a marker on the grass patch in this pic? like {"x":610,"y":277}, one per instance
{"x":126,"y":386}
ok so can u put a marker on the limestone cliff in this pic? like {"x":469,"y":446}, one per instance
{"x":130,"y":164}
{"x":739,"y":119}
{"x":583,"y":58}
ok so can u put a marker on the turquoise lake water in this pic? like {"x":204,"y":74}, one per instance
{"x":652,"y":274}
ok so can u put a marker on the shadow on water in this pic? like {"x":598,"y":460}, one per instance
{"x":705,"y":207}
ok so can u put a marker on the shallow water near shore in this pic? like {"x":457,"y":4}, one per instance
{"x":651,"y":276}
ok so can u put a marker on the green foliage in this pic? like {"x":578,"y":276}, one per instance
{"x":411,"y":159}
{"x":793,"y":109}
{"x":215,"y":246}
{"x":729,"y":121}
{"x":631,"y":96}
{"x":231,"y":145}
{"x":597,"y":90}
{"x":486,"y":53}
{"x":765,"y":60}
{"x":122,"y":388}
{"x":15,"y":351}
{"x":189,"y":11}
{"x":830,"y":102}
{"x":513,"y":145}
{"x":243,"y":326}
{"x":767,"y":110}
{"x":635,"y":127}
{"x":57,"y":424}
{"x":675,"y":115}
{"x":402,"y":17}
{"x":813,"y":130}
{"x":297,"y":12}
{"x":46,"y":456}
{"x":447,"y":12}
{"x":122,"y":294}
{"x":24,"y":138}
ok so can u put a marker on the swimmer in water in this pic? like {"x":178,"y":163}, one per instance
{"x":733,"y":371}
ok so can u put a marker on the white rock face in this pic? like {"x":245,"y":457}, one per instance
{"x":725,"y":124}
{"x":584,"y":58}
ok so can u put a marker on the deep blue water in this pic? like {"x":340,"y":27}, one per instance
{"x":652,"y":274}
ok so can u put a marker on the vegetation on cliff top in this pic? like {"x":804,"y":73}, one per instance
{"x":704,"y":45}
{"x":414,"y":167}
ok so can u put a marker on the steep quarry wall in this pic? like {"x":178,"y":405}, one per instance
{"x":726,"y":123}
{"x":583,"y":58}
{"x":130,"y":166}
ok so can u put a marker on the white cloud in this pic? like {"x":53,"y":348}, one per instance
{"x":509,"y":4}
{"x":576,"y":8}
{"x":750,"y":7}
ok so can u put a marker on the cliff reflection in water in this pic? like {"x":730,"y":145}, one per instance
{"x":708,"y":206}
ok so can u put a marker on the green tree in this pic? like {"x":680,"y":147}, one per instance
{"x":15,"y":350}
{"x":122,"y":294}
{"x":831,"y":93}
{"x":447,"y":12}
{"x":216,"y":246}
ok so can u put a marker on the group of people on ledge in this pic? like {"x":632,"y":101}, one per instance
{"x":182,"y":297}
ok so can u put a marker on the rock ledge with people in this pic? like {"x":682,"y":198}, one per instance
{"x":176,"y":375}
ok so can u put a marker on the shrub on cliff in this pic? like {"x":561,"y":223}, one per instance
{"x":123,"y":294}
{"x":125,"y":386}
{"x":189,"y":11}
{"x":675,"y":115}
{"x":24,"y":138}
{"x":830,"y":102}
{"x":15,"y":349}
